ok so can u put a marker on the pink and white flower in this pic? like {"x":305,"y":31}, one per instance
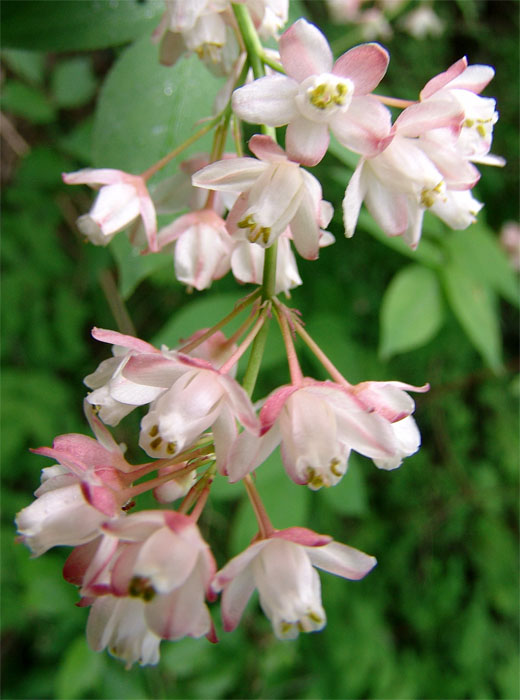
{"x":119,"y":624}
{"x":163,"y":561}
{"x":202,"y":247}
{"x":78,"y":494}
{"x":122,"y":199}
{"x":114,"y":395}
{"x":281,"y":567}
{"x":317,"y":94}
{"x":463,"y":83}
{"x":319,"y":423}
{"x":194,"y":400}
{"x":276,"y":193}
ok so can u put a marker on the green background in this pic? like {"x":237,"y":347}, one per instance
{"x":438,"y":616}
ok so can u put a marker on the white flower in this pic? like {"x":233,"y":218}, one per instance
{"x":276,"y":193}
{"x":317,"y":94}
{"x":120,"y":201}
{"x":281,"y":567}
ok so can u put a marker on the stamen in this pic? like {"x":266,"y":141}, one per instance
{"x":315,"y":617}
{"x":155,"y":443}
{"x":334,"y":463}
{"x":140,"y":587}
{"x":171,"y":448}
{"x":154,"y":430}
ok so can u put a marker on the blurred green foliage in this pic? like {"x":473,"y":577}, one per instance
{"x":438,"y":617}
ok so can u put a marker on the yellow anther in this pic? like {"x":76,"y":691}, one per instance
{"x":315,"y":617}
{"x":140,"y":587}
{"x":171,"y":447}
{"x":154,"y":430}
{"x":155,"y":443}
{"x":286,"y":627}
{"x":481,"y":130}
{"x":334,"y":464}
{"x":469,"y":123}
{"x":265,"y":232}
{"x":248,"y":222}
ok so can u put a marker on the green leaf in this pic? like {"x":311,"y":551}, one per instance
{"x":134,"y":267}
{"x":476,"y":251}
{"x":64,"y":25}
{"x":199,"y":313}
{"x":79,"y":671}
{"x":146,"y":110}
{"x":72,"y":82}
{"x":29,"y":65}
{"x":474,"y":305}
{"x":26,"y":101}
{"x":411,"y":311}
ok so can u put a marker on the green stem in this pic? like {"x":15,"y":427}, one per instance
{"x":253,"y":45}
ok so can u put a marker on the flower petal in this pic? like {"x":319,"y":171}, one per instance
{"x":365,"y":128}
{"x":304,"y":51}
{"x":341,"y":560}
{"x":268,"y":100}
{"x":365,"y":65}
{"x":306,"y":141}
{"x":229,"y":175}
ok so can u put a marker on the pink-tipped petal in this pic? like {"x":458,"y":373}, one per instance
{"x":341,"y":560}
{"x":365,"y":128}
{"x":365,"y":65}
{"x":229,"y":175}
{"x":235,"y":598}
{"x":304,"y":51}
{"x":147,"y":210}
{"x":306,"y":141}
{"x":474,"y":78}
{"x":303,"y":536}
{"x":439,"y":81}
{"x":91,"y":176}
{"x":424,"y":116}
{"x":265,"y":148}
{"x":354,"y":195}
{"x":273,"y":405}
{"x":268,"y":100}
{"x":154,"y":370}
{"x":125,"y":341}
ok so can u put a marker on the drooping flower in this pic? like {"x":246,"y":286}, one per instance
{"x":276,"y":193}
{"x":114,"y":395}
{"x":120,"y":201}
{"x":76,"y":495}
{"x":164,"y":562}
{"x":316,"y":95}
{"x":281,"y":567}
{"x":202,"y":247}
{"x":464,"y":83}
{"x":319,"y":423}
{"x":199,"y":398}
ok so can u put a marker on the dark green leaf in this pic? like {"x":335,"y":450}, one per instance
{"x":64,"y":25}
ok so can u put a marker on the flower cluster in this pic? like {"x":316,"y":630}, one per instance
{"x":149,"y":575}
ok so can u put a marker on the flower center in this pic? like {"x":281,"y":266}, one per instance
{"x":430,"y":196}
{"x":255,"y":231}
{"x":321,"y":96}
